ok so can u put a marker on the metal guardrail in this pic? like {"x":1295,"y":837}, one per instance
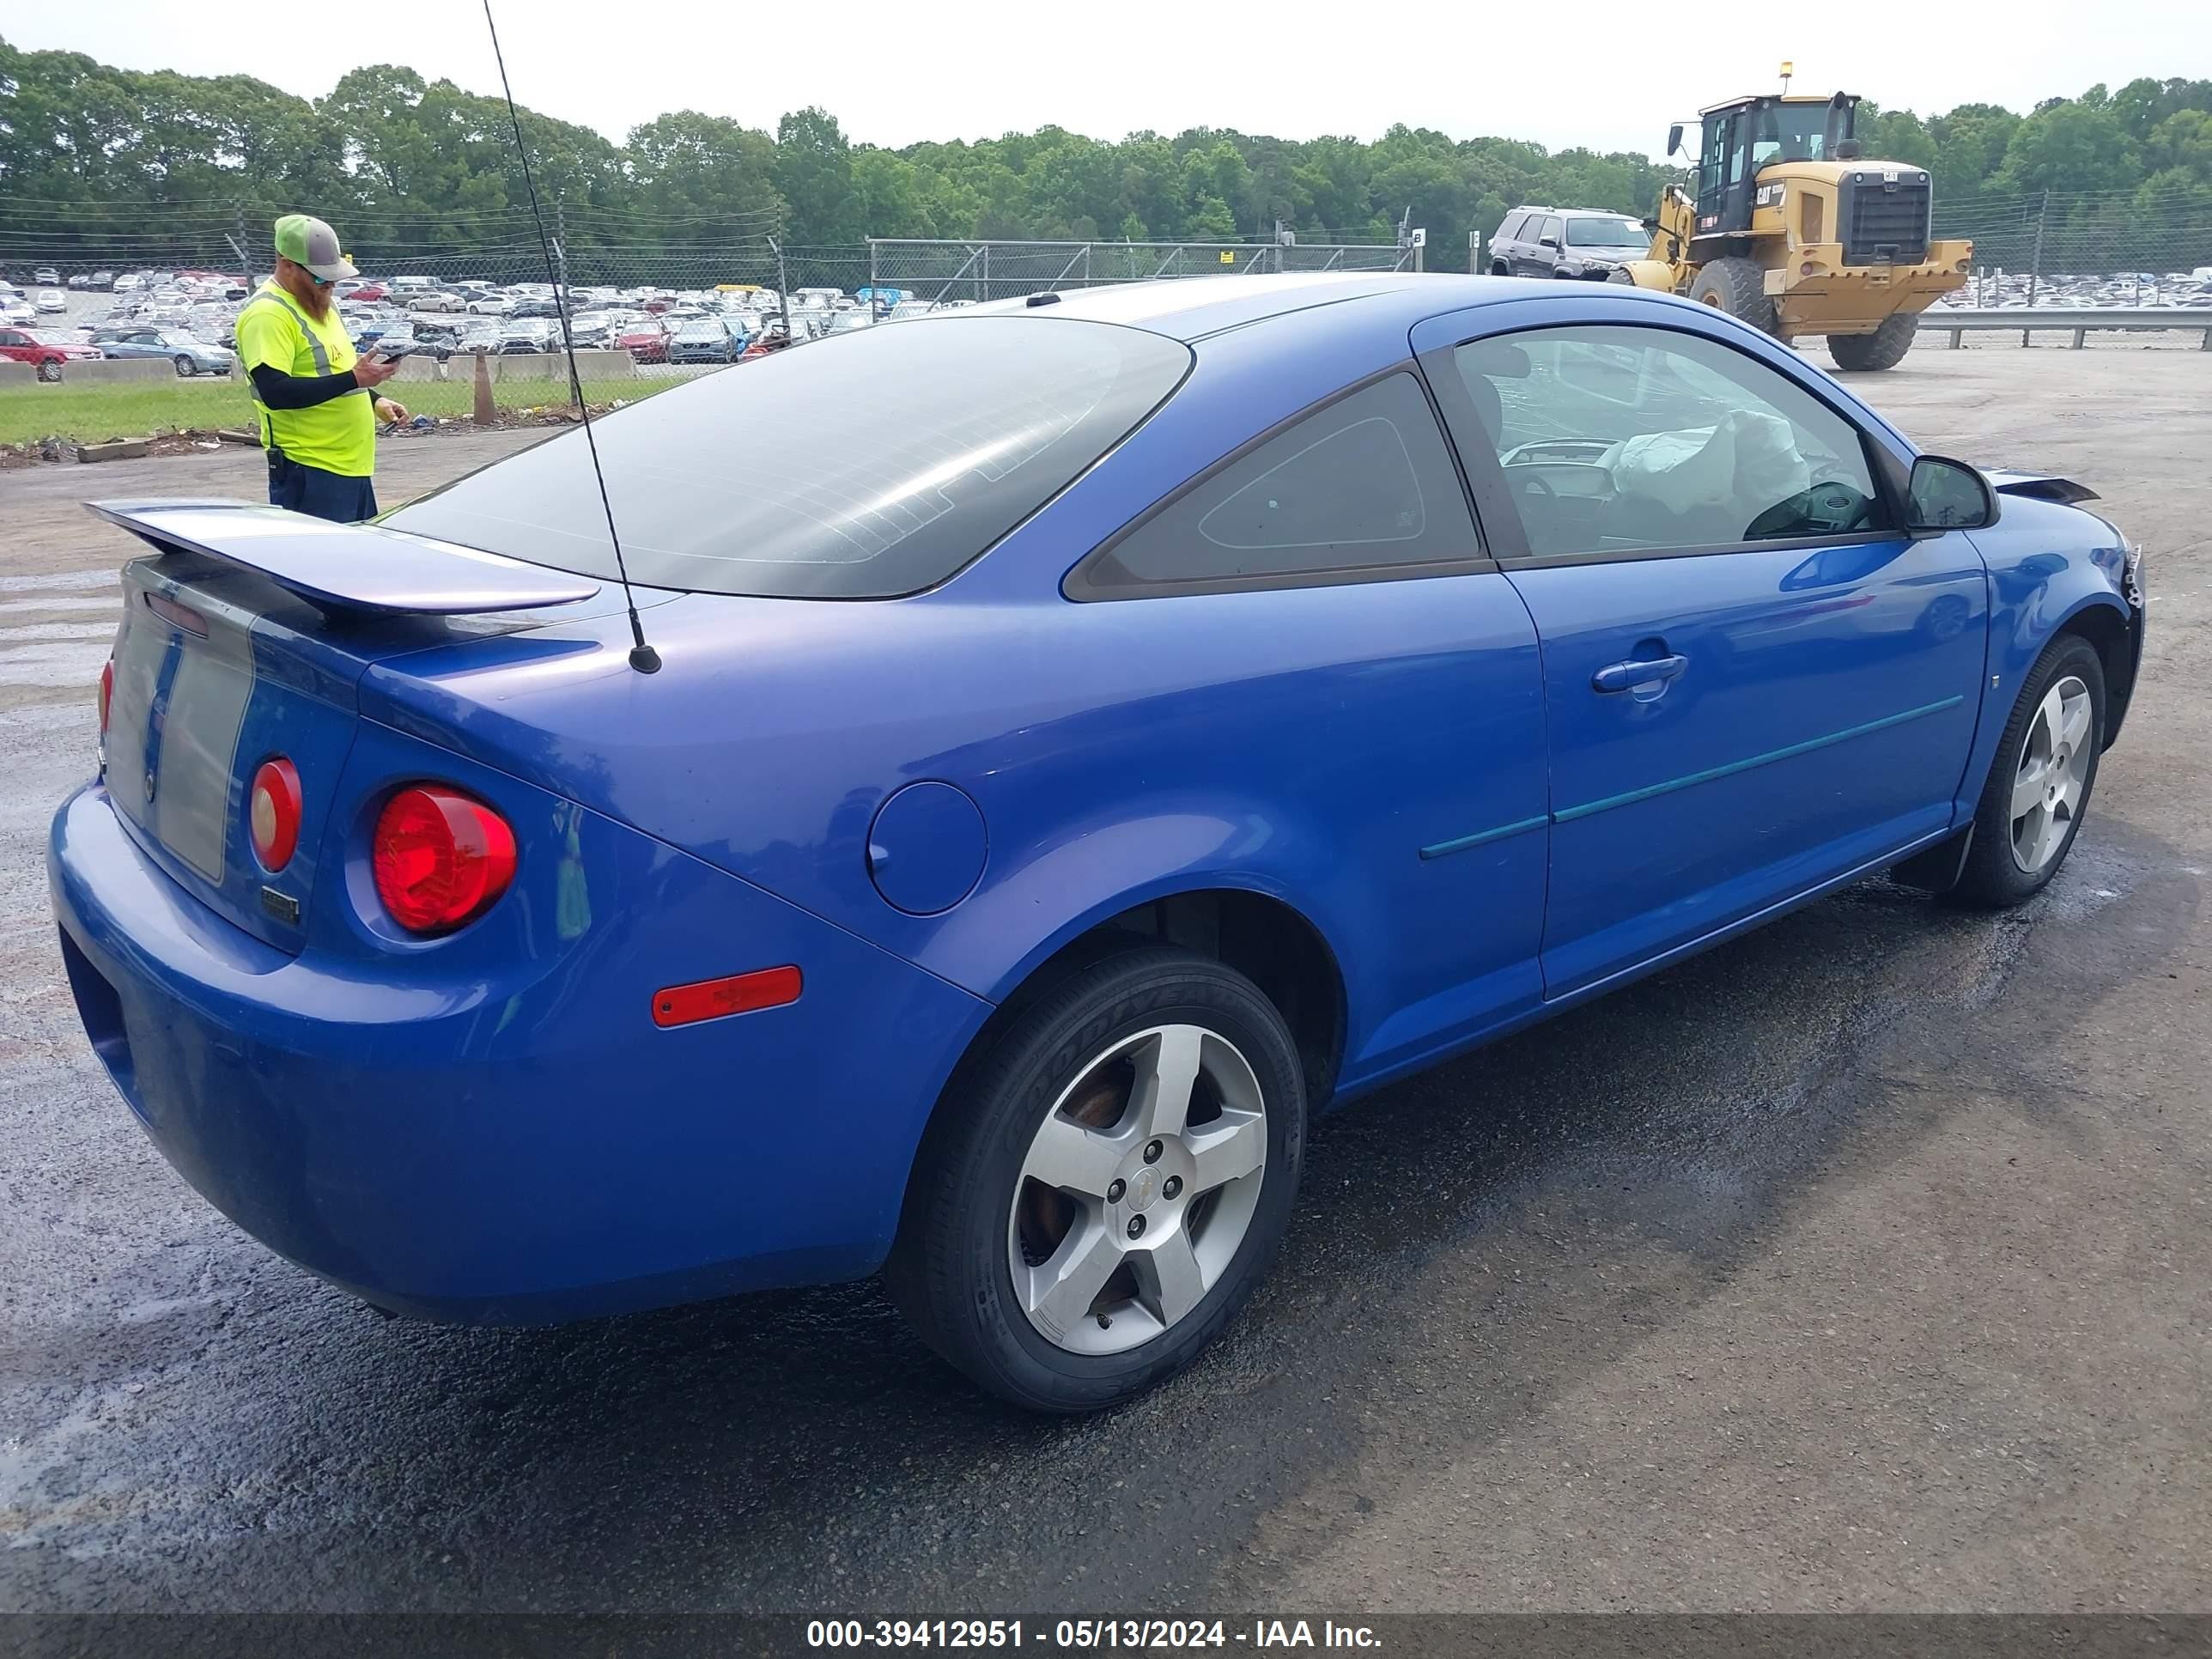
{"x":2080,"y":321}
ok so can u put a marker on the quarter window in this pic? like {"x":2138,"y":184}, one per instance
{"x":1612,"y":441}
{"x":1362,"y":485}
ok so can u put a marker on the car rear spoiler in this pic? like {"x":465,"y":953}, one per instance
{"x":2040,"y":486}
{"x":360,"y":566}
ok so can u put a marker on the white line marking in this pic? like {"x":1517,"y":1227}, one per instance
{"x":60,"y":579}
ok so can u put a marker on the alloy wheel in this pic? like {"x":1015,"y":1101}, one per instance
{"x":1137,"y":1190}
{"x":2053,"y":775}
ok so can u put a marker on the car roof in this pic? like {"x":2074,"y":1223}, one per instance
{"x":1190,"y":309}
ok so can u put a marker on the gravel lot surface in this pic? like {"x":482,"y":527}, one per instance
{"x":1861,"y":1264}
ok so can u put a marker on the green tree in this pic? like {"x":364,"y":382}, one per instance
{"x":813,"y":173}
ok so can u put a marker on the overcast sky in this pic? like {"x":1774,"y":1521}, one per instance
{"x":1607,"y":73}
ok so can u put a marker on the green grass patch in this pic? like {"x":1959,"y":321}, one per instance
{"x":94,"y":414}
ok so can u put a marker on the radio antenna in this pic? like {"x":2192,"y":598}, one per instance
{"x":642,"y":657}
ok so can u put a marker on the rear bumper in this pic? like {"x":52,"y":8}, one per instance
{"x":526,"y":1147}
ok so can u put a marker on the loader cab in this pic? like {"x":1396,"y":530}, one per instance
{"x":1739,"y":138}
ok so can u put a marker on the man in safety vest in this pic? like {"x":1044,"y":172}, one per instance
{"x":317,"y":401}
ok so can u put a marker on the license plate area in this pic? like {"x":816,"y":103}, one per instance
{"x":173,"y":721}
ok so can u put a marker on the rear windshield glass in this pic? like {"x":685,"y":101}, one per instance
{"x":868,"y":465}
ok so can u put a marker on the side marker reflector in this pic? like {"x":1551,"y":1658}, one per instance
{"x":712,"y":999}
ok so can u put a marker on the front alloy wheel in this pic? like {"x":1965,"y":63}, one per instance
{"x":2039,"y":786}
{"x":2053,"y":779}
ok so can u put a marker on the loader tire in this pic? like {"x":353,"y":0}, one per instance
{"x":1738,"y":287}
{"x":1883,"y":349}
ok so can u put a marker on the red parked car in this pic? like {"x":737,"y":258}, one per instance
{"x":20,"y":345}
{"x":366,"y":293}
{"x":647,"y":341}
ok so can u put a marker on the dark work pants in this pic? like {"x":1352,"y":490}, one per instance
{"x":323,"y":495}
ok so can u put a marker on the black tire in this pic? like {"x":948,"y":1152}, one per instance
{"x":1737,"y":286}
{"x":49,"y":370}
{"x":1498,"y":268}
{"x":949,"y":1271}
{"x":1993,"y":878}
{"x":185,"y":367}
{"x":1622,"y":277}
{"x":1883,"y":349}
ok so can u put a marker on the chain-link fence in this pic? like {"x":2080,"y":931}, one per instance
{"x":2118,"y":247}
{"x":94,"y":402}
{"x":936,"y":271}
{"x":87,"y":406}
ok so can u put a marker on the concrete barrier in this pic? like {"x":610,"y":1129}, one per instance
{"x":429,"y":368}
{"x":107,"y":370}
{"x":553,"y":366}
{"x":13,"y":373}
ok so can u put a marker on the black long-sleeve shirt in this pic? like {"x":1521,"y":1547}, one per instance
{"x":278,"y":390}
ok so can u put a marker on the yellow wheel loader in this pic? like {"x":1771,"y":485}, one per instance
{"x":1794,"y":233}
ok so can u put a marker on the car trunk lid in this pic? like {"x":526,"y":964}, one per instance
{"x":245,"y":640}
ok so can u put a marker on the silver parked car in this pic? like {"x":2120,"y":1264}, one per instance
{"x":190,"y":354}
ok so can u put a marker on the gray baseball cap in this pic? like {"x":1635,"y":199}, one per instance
{"x":311,"y":243}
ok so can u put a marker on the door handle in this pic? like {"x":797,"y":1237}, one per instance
{"x":1626,"y":676}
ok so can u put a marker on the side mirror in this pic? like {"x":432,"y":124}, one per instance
{"x":1674,"y":139}
{"x":1946,"y":494}
{"x":1550,"y":242}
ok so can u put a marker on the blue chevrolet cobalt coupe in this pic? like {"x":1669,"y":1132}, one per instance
{"x":1091,"y":735}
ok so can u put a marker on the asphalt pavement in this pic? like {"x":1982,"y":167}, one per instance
{"x":1862,"y":1263}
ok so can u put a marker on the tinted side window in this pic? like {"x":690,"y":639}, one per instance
{"x":1362,"y":484}
{"x":1510,"y":230}
{"x":1619,"y":440}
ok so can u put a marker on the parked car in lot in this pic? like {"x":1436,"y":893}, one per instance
{"x":49,"y":357}
{"x":188,"y":352}
{"x":1538,"y":241}
{"x":47,"y":275}
{"x":647,"y":341}
{"x":1427,"y":655}
{"x":51,"y":301}
{"x":400,"y":339}
{"x":489,"y":305}
{"x":15,"y":309}
{"x":436,"y":299}
{"x":520,"y":334}
{"x":709,"y":340}
{"x":369,"y":330}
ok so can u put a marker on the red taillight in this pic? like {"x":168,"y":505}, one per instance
{"x":272,"y":812}
{"x":711,"y":999}
{"x":439,"y":858}
{"x":106,"y":693}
